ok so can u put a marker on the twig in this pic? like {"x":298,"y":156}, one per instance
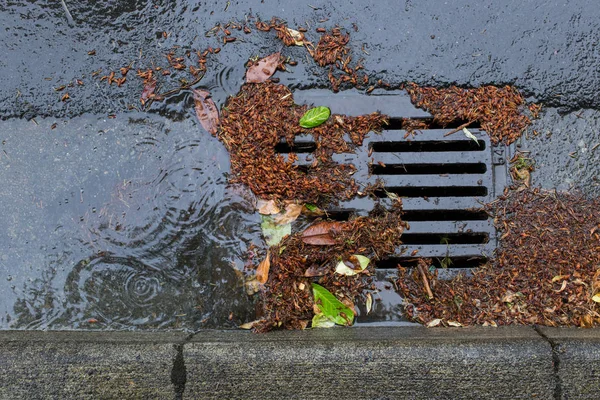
{"x":460,"y":128}
{"x":425,"y":281}
{"x":70,"y":20}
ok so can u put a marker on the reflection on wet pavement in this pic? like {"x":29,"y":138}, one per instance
{"x":128,"y":224}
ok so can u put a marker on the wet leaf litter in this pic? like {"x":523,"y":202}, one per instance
{"x":313,"y":276}
{"x":546,"y":271}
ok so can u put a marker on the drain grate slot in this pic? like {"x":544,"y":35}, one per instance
{"x":445,"y":215}
{"x":439,"y":191}
{"x":410,"y":146}
{"x":445,"y":262}
{"x":444,"y":238}
{"x":428,"y":169}
{"x":299,"y":147}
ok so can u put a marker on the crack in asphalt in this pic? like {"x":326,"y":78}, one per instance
{"x":558,"y":392}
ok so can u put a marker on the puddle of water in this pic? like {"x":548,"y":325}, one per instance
{"x":127,"y":222}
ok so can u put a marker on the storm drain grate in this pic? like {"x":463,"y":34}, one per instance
{"x":443,"y":180}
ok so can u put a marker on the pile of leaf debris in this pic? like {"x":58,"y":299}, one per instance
{"x":314,"y":277}
{"x":498,"y":110}
{"x":262,"y":116}
{"x":546,"y":272}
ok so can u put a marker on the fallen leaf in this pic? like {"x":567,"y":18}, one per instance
{"x":272,"y":232}
{"x":249,"y":325}
{"x":263,"y":69}
{"x":252,"y":287}
{"x":297,"y":36}
{"x":331,"y":307}
{"x":343,"y":269}
{"x":206,"y":111}
{"x":320,"y":234}
{"x":369,"y":303}
{"x":303,"y":324}
{"x":587,"y":321}
{"x":315,"y":117}
{"x":562,"y":287}
{"x":596,"y":298}
{"x":267,"y":207}
{"x":292,"y":211}
{"x":510,"y":297}
{"x":315,"y":270}
{"x":262,"y":271}
{"x":434,"y":323}
{"x":148,"y":91}
{"x":455,"y":324}
{"x":560,"y":278}
{"x":470,"y":135}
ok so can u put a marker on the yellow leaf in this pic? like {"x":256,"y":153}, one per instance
{"x":267,"y":207}
{"x":297,"y":36}
{"x":455,"y":324}
{"x":249,"y":325}
{"x":596,"y":298}
{"x":262,"y":272}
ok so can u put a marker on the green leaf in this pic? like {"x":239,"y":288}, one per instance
{"x":331,"y":307}
{"x":273,"y":232}
{"x":315,"y":117}
{"x":311,"y":207}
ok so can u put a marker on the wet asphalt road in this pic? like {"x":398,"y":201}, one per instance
{"x":65,"y":190}
{"x":548,"y":49}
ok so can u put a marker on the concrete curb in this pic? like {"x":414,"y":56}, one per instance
{"x":358,"y":363}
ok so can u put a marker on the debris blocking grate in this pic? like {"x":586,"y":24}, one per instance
{"x":443,"y":180}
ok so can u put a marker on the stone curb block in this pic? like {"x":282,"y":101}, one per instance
{"x":371,"y":363}
{"x":87,"y":365}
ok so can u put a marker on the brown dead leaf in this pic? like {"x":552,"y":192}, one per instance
{"x":206,"y":111}
{"x":587,"y":321}
{"x":148,"y":91}
{"x":321,"y":233}
{"x":267,"y":207}
{"x":562,"y":287}
{"x":292,"y":211}
{"x":303,"y":324}
{"x":315,"y":270}
{"x":262,"y":272}
{"x":263,"y":69}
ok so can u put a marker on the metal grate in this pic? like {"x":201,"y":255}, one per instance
{"x":443,"y":180}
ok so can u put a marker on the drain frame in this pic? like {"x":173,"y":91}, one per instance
{"x":483,"y":175}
